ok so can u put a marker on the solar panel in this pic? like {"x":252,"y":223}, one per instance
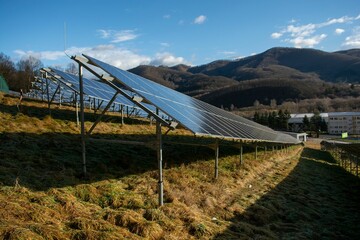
{"x":199,"y":117}
{"x":92,"y":88}
{"x":96,"y":90}
{"x":56,"y":91}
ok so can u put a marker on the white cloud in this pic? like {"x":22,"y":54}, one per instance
{"x":117,"y":36}
{"x":343,"y":19}
{"x":200,"y":19}
{"x":276,"y":35}
{"x":44,"y":55}
{"x":301,"y":42}
{"x":167,"y":59}
{"x":167,"y":16}
{"x":339,"y":31}
{"x":104,"y":33}
{"x":118,"y":57}
{"x":301,"y":31}
{"x":306,"y":35}
{"x":353,"y":41}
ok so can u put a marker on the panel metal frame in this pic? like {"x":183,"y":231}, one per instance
{"x":84,"y":62}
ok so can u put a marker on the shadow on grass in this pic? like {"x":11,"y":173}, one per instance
{"x":43,"y":161}
{"x":317,"y":200}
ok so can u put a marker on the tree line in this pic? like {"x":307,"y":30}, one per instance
{"x":279,"y":120}
{"x":20,"y":75}
{"x":275,"y":119}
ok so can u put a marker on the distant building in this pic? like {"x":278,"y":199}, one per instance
{"x":337,"y":122}
{"x":340,"y":122}
{"x":296,"y":120}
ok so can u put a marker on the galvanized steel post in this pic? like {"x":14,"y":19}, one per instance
{"x":83,"y":149}
{"x":256,"y":152}
{"x":159,"y":156}
{"x":241,"y":155}
{"x":216,"y":159}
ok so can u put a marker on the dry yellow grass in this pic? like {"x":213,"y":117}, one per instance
{"x":43,"y":197}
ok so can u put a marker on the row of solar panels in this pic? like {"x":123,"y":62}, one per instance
{"x":199,"y":117}
{"x":63,"y":87}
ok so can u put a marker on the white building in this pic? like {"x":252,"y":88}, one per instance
{"x":340,"y":122}
{"x":296,"y":120}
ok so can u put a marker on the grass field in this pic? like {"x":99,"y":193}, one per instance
{"x":299,"y":194}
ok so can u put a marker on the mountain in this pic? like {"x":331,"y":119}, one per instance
{"x":180,"y":79}
{"x":351,"y":52}
{"x":330,"y":67}
{"x":283,"y":74}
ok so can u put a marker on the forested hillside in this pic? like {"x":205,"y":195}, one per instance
{"x":278,"y":74}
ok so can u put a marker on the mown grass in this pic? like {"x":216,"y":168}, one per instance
{"x":294,"y":194}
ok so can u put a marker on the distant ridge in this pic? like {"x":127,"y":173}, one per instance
{"x":278,"y":73}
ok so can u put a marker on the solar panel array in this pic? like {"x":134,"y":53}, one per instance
{"x":41,"y":87}
{"x":95,"y":90}
{"x":199,"y":117}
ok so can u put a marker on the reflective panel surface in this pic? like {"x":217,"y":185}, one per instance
{"x":197,"y":116}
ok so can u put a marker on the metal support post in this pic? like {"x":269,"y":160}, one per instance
{"x":256,"y":152}
{"x":216,"y":159}
{"x":159,"y":157}
{"x":83,"y":149}
{"x":60,"y":96}
{"x":77,"y":110}
{"x":48,"y":94}
{"x":122,"y":114}
{"x":241,"y":155}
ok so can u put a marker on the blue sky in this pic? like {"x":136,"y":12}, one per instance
{"x":168,"y":32}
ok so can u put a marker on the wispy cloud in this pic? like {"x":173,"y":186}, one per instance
{"x":165,"y":44}
{"x":228,"y":53}
{"x":306,"y":35}
{"x":44,"y":55}
{"x":116,"y":36}
{"x":167,"y":16}
{"x":353,"y":41}
{"x":200,"y":19}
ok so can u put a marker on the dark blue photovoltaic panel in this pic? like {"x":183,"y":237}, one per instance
{"x":100,"y":90}
{"x":41,"y":84}
{"x":96,"y":89}
{"x":199,"y":117}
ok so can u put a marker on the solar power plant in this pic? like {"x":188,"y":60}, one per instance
{"x":92,"y":88}
{"x":199,"y":117}
{"x":95,"y":89}
{"x":41,"y":85}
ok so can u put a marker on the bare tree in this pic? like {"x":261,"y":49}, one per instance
{"x":30,"y":64}
{"x":28,"y":68}
{"x":7,"y":67}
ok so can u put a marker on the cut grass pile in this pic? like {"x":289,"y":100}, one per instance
{"x":294,"y":194}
